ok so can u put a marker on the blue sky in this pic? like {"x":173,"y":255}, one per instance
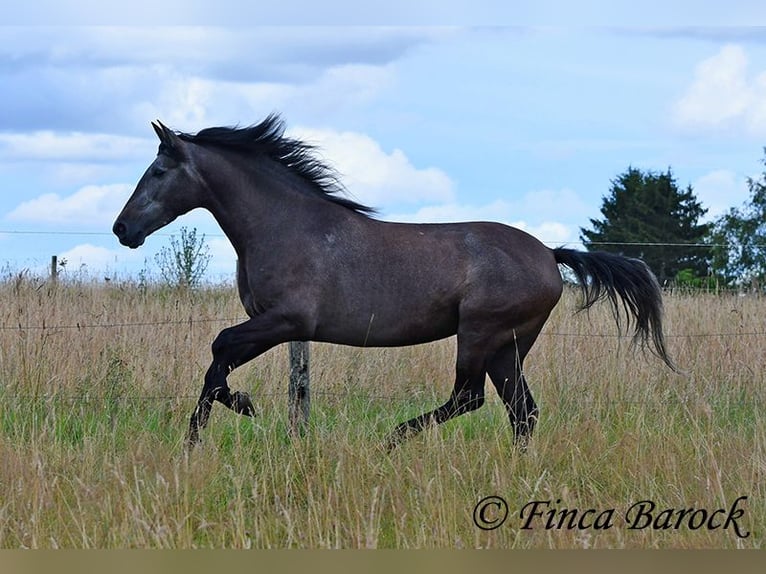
{"x":524,"y":124}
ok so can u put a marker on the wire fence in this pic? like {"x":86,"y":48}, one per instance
{"x":686,"y":286}
{"x":703,"y":284}
{"x":83,"y":326}
{"x":43,"y":326}
{"x":190,"y":321}
{"x":328,"y":395}
{"x":341,"y":394}
{"x":83,"y":233}
{"x":74,"y":233}
{"x":233,"y":321}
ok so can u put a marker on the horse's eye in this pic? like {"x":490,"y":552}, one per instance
{"x":159,"y":171}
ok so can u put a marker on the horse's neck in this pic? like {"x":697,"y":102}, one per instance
{"x":259,"y":206}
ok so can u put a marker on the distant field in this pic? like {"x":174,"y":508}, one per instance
{"x":97,"y":382}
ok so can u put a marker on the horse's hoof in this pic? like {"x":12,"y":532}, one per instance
{"x":521,"y":443}
{"x":191,"y":440}
{"x":242,"y":404}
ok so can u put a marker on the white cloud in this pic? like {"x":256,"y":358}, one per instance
{"x":109,"y":78}
{"x":243,"y":52}
{"x":192,"y":102}
{"x":74,"y":174}
{"x":724,"y":95}
{"x":371,"y":174}
{"x":546,"y":214}
{"x":75,"y":146}
{"x":719,"y":190}
{"x":545,"y":229}
{"x":555,"y":204}
{"x":95,"y":259}
{"x":223,"y":261}
{"x":352,"y":83}
{"x":453,"y":211}
{"x":553,"y":233}
{"x":92,"y":205}
{"x":374,"y":176}
{"x":183,"y":102}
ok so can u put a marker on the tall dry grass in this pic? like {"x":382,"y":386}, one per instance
{"x":92,"y":421}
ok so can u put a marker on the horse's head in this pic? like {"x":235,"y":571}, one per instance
{"x":170,"y":187}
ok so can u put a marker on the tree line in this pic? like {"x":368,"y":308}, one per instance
{"x":647,"y":215}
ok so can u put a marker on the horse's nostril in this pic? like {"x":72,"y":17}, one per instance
{"x":119,"y":229}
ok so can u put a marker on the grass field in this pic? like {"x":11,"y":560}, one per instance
{"x":97,"y":382}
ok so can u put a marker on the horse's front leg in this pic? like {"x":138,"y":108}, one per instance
{"x":232,"y":348}
{"x":216,"y":389}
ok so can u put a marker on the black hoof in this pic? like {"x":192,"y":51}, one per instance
{"x":521,"y":442}
{"x":192,"y":440}
{"x":242,"y":404}
{"x":522,"y":432}
{"x":392,"y":442}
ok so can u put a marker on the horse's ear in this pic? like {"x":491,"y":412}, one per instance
{"x":169,"y":140}
{"x":158,"y":130}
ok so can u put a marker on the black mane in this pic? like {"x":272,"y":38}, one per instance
{"x":268,"y":138}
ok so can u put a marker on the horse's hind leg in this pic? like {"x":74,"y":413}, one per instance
{"x":506,"y":372}
{"x":467,"y":394}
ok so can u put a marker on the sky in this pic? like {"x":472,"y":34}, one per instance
{"x":449,"y":115}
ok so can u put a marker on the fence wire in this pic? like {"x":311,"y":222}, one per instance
{"x":315,"y":393}
{"x":65,"y":233}
{"x":232,"y":321}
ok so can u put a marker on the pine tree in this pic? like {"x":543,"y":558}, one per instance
{"x":647,"y":216}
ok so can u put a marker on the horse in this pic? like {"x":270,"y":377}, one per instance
{"x":315,"y":265}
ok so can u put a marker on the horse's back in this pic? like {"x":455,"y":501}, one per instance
{"x":485,"y":262}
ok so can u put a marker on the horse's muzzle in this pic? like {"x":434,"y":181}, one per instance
{"x":129,"y":238}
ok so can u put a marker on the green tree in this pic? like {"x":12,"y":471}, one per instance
{"x":184,"y":263}
{"x":646,"y":215}
{"x":739,"y":238}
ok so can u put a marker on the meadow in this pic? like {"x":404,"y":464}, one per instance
{"x":97,"y":382}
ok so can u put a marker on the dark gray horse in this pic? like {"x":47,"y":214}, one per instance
{"x":315,"y":265}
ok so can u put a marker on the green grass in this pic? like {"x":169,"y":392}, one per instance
{"x":92,"y":426}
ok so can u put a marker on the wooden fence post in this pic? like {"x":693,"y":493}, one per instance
{"x":54,"y":268}
{"x":298,"y":390}
{"x":298,"y":396}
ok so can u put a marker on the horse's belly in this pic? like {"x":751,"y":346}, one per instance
{"x":388,"y":330}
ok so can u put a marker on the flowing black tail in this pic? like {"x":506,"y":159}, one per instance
{"x":621,"y":279}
